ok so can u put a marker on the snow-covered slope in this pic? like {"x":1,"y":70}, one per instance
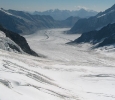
{"x":9,"y":45}
{"x":23,"y":77}
{"x":67,"y":73}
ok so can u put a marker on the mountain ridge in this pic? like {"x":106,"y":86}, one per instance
{"x":64,"y":14}
{"x":25,"y":23}
{"x":99,"y":38}
{"x":94,"y":23}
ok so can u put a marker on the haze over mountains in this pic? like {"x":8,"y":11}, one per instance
{"x":64,"y":14}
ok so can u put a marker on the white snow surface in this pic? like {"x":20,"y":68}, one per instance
{"x":65,"y":72}
{"x":5,"y":42}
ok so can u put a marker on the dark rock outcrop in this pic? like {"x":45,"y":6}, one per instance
{"x":103,"y":37}
{"x":19,"y":40}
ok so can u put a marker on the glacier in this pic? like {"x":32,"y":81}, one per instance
{"x":64,"y":72}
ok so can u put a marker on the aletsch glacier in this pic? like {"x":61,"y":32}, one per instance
{"x":64,"y":73}
{"x":77,"y":68}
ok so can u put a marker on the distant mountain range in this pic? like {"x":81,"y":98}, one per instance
{"x":23,"y":22}
{"x":13,"y":42}
{"x":96,"y":22}
{"x":64,"y":14}
{"x":103,"y":37}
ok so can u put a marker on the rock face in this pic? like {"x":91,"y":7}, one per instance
{"x":11,"y":40}
{"x":64,"y":14}
{"x":94,"y":23}
{"x":105,"y":36}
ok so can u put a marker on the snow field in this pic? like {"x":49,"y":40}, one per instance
{"x":65,"y":72}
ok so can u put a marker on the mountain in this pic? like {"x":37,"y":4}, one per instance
{"x":69,"y":22}
{"x":64,"y":14}
{"x":94,"y":23}
{"x":103,"y":37}
{"x":11,"y":41}
{"x":23,"y":22}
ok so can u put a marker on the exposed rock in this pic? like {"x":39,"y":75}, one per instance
{"x":103,"y":37}
{"x":19,"y":40}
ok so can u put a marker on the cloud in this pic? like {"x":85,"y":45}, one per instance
{"x":81,"y":7}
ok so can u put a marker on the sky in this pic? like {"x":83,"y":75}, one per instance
{"x":42,"y":5}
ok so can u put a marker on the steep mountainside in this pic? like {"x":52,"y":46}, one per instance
{"x":95,"y":23}
{"x":22,"y":22}
{"x":11,"y":41}
{"x":64,"y":14}
{"x":105,"y":36}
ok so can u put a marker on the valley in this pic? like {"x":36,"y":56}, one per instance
{"x":63,"y":72}
{"x":57,"y":50}
{"x":51,"y":44}
{"x":84,"y":72}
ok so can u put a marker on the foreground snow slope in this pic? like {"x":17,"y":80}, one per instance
{"x":22,"y":77}
{"x":64,"y":73}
